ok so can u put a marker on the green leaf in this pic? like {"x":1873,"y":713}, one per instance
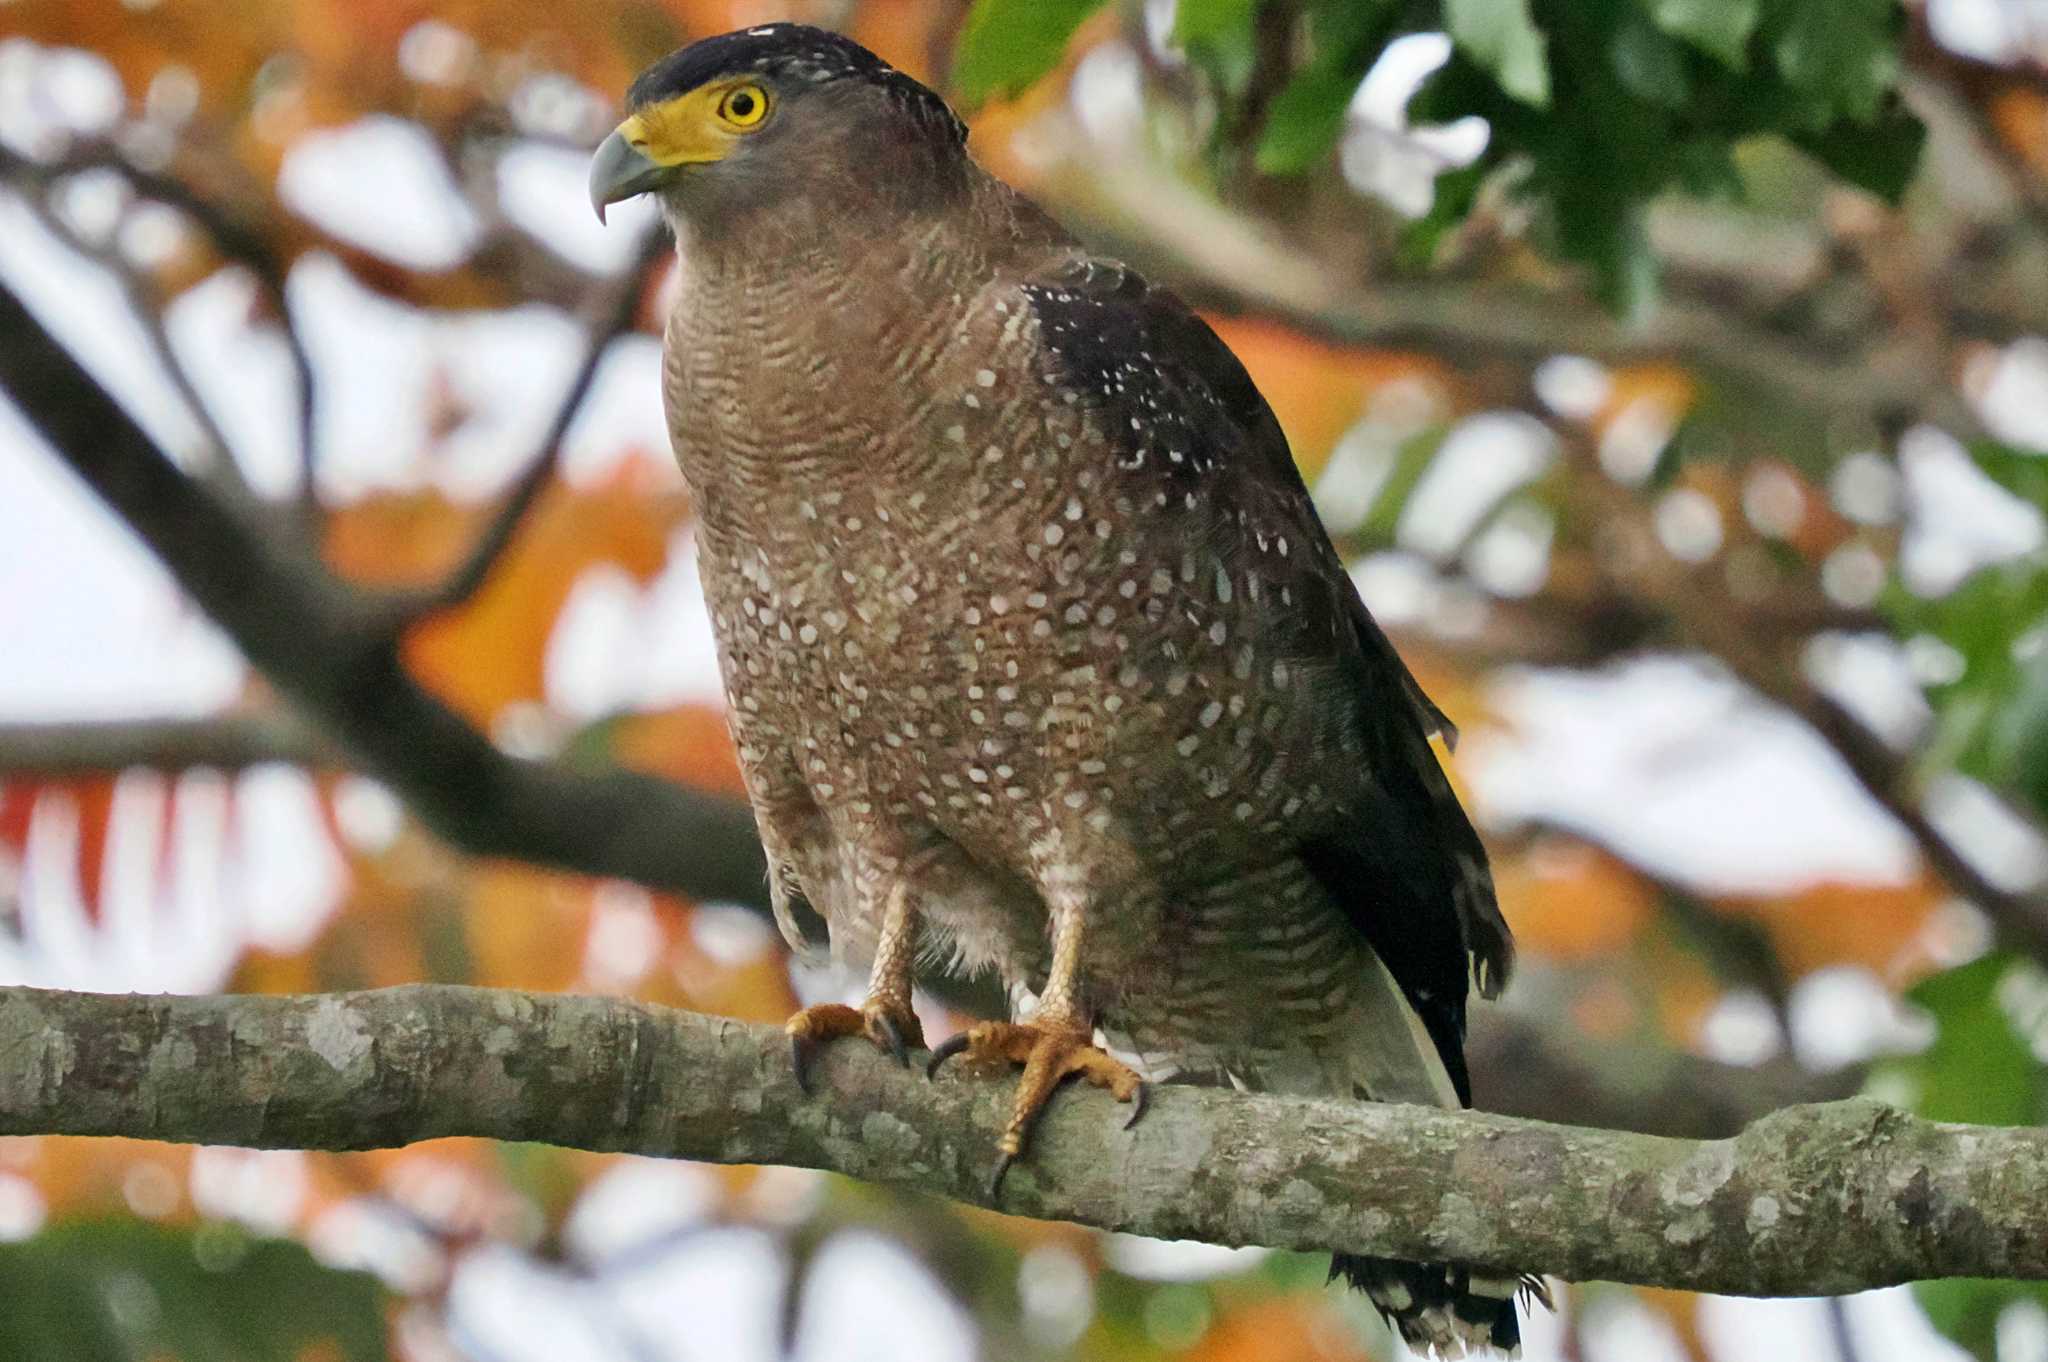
{"x":1210,"y":21}
{"x":1966,"y":1309}
{"x":2022,"y":472}
{"x":1455,"y":193}
{"x":1612,"y":236}
{"x":1650,"y":65}
{"x":1501,"y":36}
{"x":1979,"y":1069}
{"x":1719,"y":28}
{"x":1007,"y":45}
{"x":1880,"y":157}
{"x":2017,"y":738}
{"x":124,"y":1289}
{"x":1305,"y":120}
{"x":1218,"y":37}
{"x":1842,"y":53}
{"x":1411,"y":460}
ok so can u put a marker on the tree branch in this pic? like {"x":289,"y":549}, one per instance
{"x":229,"y":742}
{"x":608,"y":316}
{"x":236,"y":241}
{"x":1812,"y":1200}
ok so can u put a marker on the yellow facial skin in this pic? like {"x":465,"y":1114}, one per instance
{"x":701,"y":126}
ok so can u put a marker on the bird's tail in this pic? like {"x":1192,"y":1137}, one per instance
{"x":1446,"y":1308}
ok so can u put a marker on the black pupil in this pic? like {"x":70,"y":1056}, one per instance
{"x":742,"y":105}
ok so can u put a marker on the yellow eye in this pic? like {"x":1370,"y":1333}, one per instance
{"x":743,"y":106}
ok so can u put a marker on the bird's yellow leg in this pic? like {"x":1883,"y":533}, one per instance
{"x":1058,"y":1043}
{"x":886,"y":1017}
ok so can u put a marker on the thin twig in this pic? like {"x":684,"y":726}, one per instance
{"x":220,"y":464}
{"x":229,"y":742}
{"x":1698,"y":601}
{"x":235,"y":239}
{"x":610,"y":315}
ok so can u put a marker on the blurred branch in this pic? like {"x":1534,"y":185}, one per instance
{"x":235,"y":239}
{"x":609,"y":315}
{"x":1979,"y":88}
{"x":1520,"y":1068}
{"x":1812,"y":1200}
{"x":1698,"y":601}
{"x":1228,"y":263}
{"x":323,"y":646}
{"x":225,"y":743}
{"x":220,"y":466}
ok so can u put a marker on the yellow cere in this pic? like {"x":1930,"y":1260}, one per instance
{"x":699,"y":126}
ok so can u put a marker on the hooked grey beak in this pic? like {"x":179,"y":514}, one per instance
{"x":618,"y":171}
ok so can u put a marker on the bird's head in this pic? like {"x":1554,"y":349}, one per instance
{"x":754,"y":118}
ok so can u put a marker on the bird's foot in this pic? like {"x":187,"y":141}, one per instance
{"x":1050,"y":1054}
{"x":889,"y":1023}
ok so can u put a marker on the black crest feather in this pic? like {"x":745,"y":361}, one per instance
{"x":793,"y":54}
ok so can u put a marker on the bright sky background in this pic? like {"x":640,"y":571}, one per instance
{"x":1670,"y":762}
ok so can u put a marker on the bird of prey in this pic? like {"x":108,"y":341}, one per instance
{"x":1038,"y":658}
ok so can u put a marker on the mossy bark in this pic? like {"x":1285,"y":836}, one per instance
{"x":1817,"y":1199}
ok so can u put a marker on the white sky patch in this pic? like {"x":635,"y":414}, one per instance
{"x":508,"y":1307}
{"x":138,"y":649}
{"x":545,"y":189}
{"x":1982,"y":29}
{"x":244,"y":375}
{"x":1382,"y":153}
{"x":1873,"y":676}
{"x":510,"y":371}
{"x":637,"y":1203}
{"x":414,"y":216}
{"x":373,"y":359}
{"x":681,"y":653}
{"x":596,"y":662}
{"x":86,"y":310}
{"x":1511,"y":556}
{"x":292,"y":876}
{"x":869,"y":1301}
{"x":720,"y":1290}
{"x":621,"y":417}
{"x":1844,"y":1014}
{"x":1959,"y":519}
{"x":2014,"y":399}
{"x":1682,"y":768}
{"x":1480,"y":461}
{"x":1177,"y":1260}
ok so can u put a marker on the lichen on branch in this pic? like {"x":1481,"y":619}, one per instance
{"x":1819,"y":1199}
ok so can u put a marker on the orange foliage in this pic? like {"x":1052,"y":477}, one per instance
{"x":1882,"y":927}
{"x":1663,"y":388}
{"x":1279,"y":1329}
{"x":492,"y":652}
{"x":2021,"y":117}
{"x":91,"y":800}
{"x":1572,"y":902}
{"x":690,"y":743}
{"x":526,"y":928}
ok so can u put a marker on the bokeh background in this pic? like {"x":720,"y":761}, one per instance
{"x":1688,"y":443}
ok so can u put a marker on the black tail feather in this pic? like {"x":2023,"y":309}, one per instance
{"x":1442,"y":1308}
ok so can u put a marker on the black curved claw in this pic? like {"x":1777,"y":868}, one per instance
{"x":947,"y":1048}
{"x":799,"y":1052}
{"x":1138,"y":1101}
{"x":995,"y":1182}
{"x":892,"y":1036}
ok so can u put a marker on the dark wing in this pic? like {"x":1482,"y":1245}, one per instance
{"x":1410,"y":852}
